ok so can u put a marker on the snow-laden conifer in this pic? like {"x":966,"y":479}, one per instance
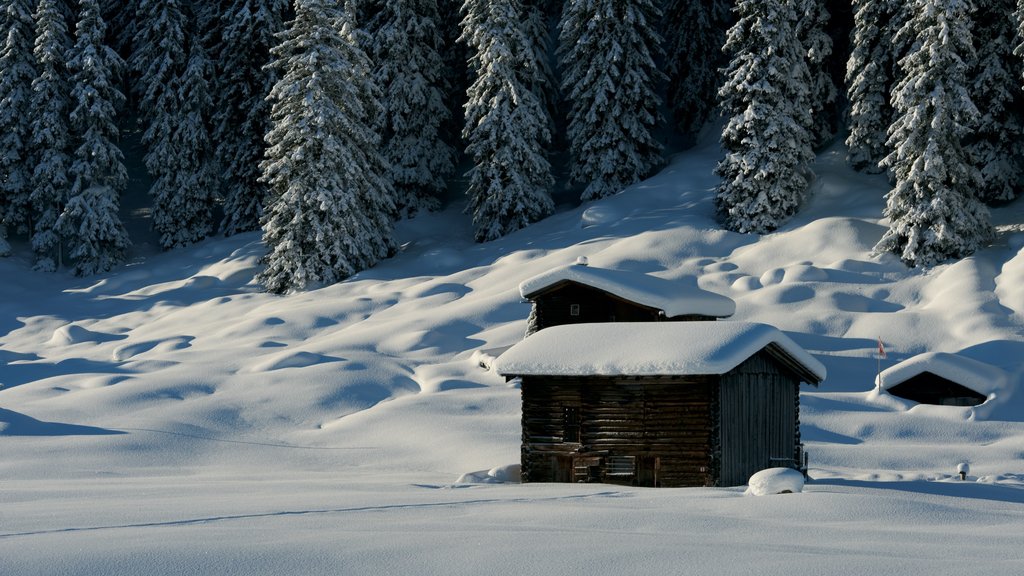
{"x":607,"y":51}
{"x":934,"y":213}
{"x":410,"y":72}
{"x":766,"y":169}
{"x":694,"y":35}
{"x":171,"y":80}
{"x":245,"y":33}
{"x":870,"y":76}
{"x":330,"y":197}
{"x":996,"y":147}
{"x":17,"y":71}
{"x":50,"y":140}
{"x":538,"y":33}
{"x":506,"y":125}
{"x":814,"y":17}
{"x":182,"y":158}
{"x":90,"y":222}
{"x":158,"y":54}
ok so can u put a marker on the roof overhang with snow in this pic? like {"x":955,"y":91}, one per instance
{"x":672,"y":298}
{"x":653,"y":349}
{"x":978,"y":376}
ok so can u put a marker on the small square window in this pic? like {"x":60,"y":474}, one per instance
{"x":574,"y":310}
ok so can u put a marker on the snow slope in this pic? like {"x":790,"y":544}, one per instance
{"x":171,"y":418}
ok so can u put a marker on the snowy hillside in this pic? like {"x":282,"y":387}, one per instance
{"x":171,"y":418}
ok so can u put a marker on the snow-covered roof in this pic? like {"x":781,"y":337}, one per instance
{"x":673,"y":298}
{"x":978,"y":376}
{"x":647,"y":349}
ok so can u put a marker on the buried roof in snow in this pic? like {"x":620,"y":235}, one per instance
{"x":672,"y":298}
{"x":650,"y":349}
{"x":985,"y":379}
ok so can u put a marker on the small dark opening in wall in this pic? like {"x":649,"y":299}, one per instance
{"x":571,"y":424}
{"x":574,"y":310}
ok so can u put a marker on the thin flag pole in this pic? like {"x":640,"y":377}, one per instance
{"x":878,"y":373}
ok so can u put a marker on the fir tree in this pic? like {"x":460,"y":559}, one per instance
{"x":765,"y":172}
{"x":543,"y":82}
{"x":330,"y":210}
{"x":870,"y":74}
{"x":50,"y":141}
{"x":241,"y":113}
{"x":17,"y":71}
{"x":694,"y":35}
{"x":996,"y":146}
{"x":607,"y":54}
{"x":818,"y":45}
{"x":934,"y":213}
{"x":182,"y":159}
{"x":173,"y":103}
{"x":410,"y":73}
{"x":506,"y":126}
{"x":90,"y":220}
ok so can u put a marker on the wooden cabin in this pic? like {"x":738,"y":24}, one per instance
{"x":659,"y":404}
{"x":943,"y":379}
{"x":579,"y":293}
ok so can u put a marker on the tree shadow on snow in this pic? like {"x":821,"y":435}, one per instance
{"x":15,"y":424}
{"x":957,"y":489}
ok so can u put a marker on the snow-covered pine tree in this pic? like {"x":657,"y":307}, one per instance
{"x":158,"y":55}
{"x":184,"y":192}
{"x":506,"y":125}
{"x":50,"y":142}
{"x":174,"y":100}
{"x":241,"y":116}
{"x":694,"y":35}
{"x":607,"y":51}
{"x":17,"y":71}
{"x":996,"y":147}
{"x":538,"y":33}
{"x":933,"y":211}
{"x":1019,"y":50}
{"x":330,"y":197}
{"x":455,"y":55}
{"x":90,"y":221}
{"x":870,"y":74}
{"x":123,"y":19}
{"x":811,"y":26}
{"x":766,"y":168}
{"x":410,"y":72}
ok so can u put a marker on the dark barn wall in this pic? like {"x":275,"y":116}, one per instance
{"x":759,"y":425}
{"x":930,"y":388}
{"x":630,"y":431}
{"x":555,"y":308}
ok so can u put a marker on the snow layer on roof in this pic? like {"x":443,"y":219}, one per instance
{"x":673,"y":298}
{"x":978,"y":376}
{"x":646,"y":349}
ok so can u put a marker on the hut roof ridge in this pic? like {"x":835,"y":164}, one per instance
{"x":976,"y":375}
{"x":648,"y":349}
{"x":673,"y":298}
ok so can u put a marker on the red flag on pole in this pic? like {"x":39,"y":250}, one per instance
{"x":881,"y":349}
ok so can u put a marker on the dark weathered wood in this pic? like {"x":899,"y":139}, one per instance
{"x":660,"y":424}
{"x":929,"y":388}
{"x":676,"y":431}
{"x":574,"y":303}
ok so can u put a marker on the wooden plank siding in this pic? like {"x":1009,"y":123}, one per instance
{"x":662,"y":423}
{"x":555,"y":307}
{"x":673,"y":431}
{"x":759,"y":425}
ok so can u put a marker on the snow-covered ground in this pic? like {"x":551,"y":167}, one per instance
{"x":170,"y":418}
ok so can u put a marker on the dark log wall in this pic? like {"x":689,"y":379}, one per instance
{"x":759,"y":425}
{"x":630,"y":431}
{"x":555,"y":308}
{"x":929,"y":388}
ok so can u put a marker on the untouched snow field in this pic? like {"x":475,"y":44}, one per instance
{"x":170,"y":418}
